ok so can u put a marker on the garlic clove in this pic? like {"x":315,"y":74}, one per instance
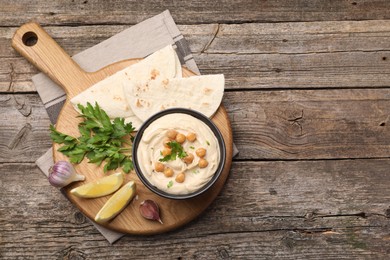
{"x":150,"y":210}
{"x":63,"y":173}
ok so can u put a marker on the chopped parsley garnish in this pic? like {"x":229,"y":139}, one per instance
{"x":191,"y":147}
{"x":170,"y":184}
{"x":207,"y":142}
{"x":100,"y":140}
{"x":195,"y":171}
{"x":176,"y":151}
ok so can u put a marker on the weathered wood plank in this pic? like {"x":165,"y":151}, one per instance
{"x":285,"y":55}
{"x":288,"y":37}
{"x":298,"y":209}
{"x":290,"y":124}
{"x":260,"y":71}
{"x":185,"y":12}
{"x":310,"y":124}
{"x":24,"y":126}
{"x":296,"y":38}
{"x":322,"y":70}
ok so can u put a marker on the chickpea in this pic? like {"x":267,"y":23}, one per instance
{"x":180,"y":138}
{"x":168,"y":172}
{"x":203,"y":163}
{"x":171,"y":134}
{"x":189,"y":158}
{"x":201,"y":152}
{"x":159,"y":167}
{"x":180,"y":177}
{"x":166,"y":141}
{"x":166,"y":151}
{"x":191,"y":137}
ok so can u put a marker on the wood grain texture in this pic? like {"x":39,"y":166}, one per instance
{"x":81,"y":12}
{"x":261,"y":71}
{"x":317,"y":209}
{"x":24,"y":126}
{"x":257,"y":56}
{"x":307,"y":95}
{"x":289,"y":124}
{"x":310,"y":124}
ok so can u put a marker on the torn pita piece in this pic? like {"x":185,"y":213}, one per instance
{"x":108,"y":93}
{"x":200,"y":93}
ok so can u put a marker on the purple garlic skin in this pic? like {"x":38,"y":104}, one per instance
{"x":150,"y":210}
{"x":62,"y":173}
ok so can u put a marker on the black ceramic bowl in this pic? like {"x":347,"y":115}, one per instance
{"x":197,"y":115}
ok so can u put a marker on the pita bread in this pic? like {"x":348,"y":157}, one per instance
{"x":201,"y":93}
{"x":179,"y":72}
{"x":108,"y":93}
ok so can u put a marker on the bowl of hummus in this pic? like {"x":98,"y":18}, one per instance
{"x":178,"y":153}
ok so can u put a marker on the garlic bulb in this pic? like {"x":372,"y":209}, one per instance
{"x":62,"y":173}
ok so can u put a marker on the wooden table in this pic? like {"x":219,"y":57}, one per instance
{"x":308,"y":95}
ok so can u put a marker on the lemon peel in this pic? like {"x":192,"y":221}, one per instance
{"x":100,"y":187}
{"x":116,"y":203}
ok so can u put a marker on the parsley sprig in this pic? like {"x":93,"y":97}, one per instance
{"x":176,"y":151}
{"x":100,"y":140}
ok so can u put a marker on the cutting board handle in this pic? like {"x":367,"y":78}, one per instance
{"x":36,"y":45}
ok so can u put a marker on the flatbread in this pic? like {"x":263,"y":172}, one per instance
{"x":179,"y":71}
{"x":108,"y":93}
{"x":201,"y":93}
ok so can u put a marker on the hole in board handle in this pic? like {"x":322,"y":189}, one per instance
{"x":29,"y":39}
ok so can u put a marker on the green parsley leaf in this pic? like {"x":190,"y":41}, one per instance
{"x":96,"y":157}
{"x":170,"y":184}
{"x":207,"y":142}
{"x":191,"y":147}
{"x":100,"y":140}
{"x":176,"y":151}
{"x":127,"y":165}
{"x":61,"y":138}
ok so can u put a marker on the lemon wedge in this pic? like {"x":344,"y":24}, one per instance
{"x":99,"y":188}
{"x":116,"y":203}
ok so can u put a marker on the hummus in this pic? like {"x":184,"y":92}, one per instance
{"x":150,"y":149}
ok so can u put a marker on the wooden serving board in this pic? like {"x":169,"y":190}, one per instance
{"x":40,"y":49}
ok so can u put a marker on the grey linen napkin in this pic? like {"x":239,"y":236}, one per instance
{"x":137,"y":41}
